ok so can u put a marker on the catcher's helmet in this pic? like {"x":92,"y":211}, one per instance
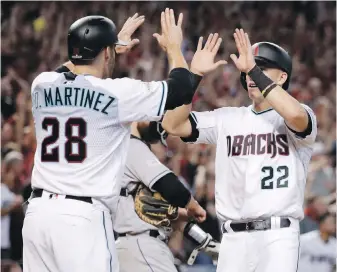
{"x":270,"y":55}
{"x":88,"y":36}
{"x":156,"y":133}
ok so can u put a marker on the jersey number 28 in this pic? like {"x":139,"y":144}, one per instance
{"x":53,"y":155}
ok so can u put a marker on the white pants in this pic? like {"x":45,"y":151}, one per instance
{"x":142,"y":253}
{"x":275,"y":250}
{"x":65,"y":235}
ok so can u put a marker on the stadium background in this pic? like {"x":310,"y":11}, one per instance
{"x":33,"y":40}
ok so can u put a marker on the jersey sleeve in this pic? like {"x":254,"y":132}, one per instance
{"x":147,"y":168}
{"x":306,"y":138}
{"x":204,"y":128}
{"x":139,"y":100}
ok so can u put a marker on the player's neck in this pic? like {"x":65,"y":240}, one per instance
{"x":134,"y":130}
{"x":262,"y":106}
{"x":87,"y":70}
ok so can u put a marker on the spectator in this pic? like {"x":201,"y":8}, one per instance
{"x":318,"y":247}
{"x":9,"y":200}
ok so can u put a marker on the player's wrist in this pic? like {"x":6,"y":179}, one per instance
{"x":192,"y":204}
{"x":174,"y":49}
{"x":196,"y":71}
{"x":263,"y":82}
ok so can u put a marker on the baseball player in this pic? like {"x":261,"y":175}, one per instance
{"x":262,"y":158}
{"x":140,"y":221}
{"x":318,"y":247}
{"x":82,"y":126}
{"x":143,"y":230}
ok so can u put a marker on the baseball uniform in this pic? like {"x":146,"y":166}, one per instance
{"x":139,"y":248}
{"x":82,"y":126}
{"x":261,"y":168}
{"x":317,"y":255}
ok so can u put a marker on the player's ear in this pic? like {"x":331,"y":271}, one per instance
{"x":282,"y":78}
{"x":107,"y":54}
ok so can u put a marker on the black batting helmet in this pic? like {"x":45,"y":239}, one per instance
{"x":88,"y":36}
{"x":270,"y":55}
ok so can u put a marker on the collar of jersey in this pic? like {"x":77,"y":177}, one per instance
{"x":261,"y":112}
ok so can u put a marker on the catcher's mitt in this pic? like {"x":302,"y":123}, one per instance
{"x":153,"y":208}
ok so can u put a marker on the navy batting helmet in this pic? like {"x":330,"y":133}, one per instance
{"x":270,"y":55}
{"x":88,"y":36}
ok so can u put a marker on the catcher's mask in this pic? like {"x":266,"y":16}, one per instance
{"x":152,"y":132}
{"x":270,"y":55}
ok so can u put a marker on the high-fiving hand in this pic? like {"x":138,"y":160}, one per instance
{"x":130,"y":26}
{"x":203,"y":59}
{"x":172,"y":35}
{"x":246,"y":60}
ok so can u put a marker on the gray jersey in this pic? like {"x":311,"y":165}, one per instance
{"x":141,"y":166}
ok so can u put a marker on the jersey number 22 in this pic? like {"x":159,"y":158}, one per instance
{"x":71,"y":157}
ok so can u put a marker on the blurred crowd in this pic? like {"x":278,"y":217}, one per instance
{"x":34,"y":38}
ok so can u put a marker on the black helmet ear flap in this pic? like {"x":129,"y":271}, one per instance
{"x":157,"y":133}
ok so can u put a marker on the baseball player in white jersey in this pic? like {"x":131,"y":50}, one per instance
{"x":142,"y":246}
{"x":82,"y":125}
{"x":318,"y":247}
{"x":262,"y":157}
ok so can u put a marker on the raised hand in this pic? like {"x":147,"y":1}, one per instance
{"x":172,"y":35}
{"x":130,"y":26}
{"x":203,"y":59}
{"x":245,"y":62}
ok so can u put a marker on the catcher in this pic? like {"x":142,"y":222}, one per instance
{"x":144,"y":218}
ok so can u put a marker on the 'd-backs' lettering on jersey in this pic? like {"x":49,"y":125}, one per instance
{"x":261,"y":165}
{"x":142,"y":166}
{"x":83,"y":130}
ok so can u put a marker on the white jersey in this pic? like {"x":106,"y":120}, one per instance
{"x":142,"y":166}
{"x":316,"y":255}
{"x":261,"y":165}
{"x":82,"y":126}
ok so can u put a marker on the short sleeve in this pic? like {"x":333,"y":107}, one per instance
{"x":310,"y":136}
{"x":204,"y":128}
{"x":140,"y":101}
{"x":148,"y":169}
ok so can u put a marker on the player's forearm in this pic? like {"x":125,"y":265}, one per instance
{"x":176,"y":121}
{"x":179,"y":225}
{"x":289,"y":108}
{"x":176,"y":58}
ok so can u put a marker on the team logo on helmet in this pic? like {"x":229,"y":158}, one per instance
{"x":256,"y":51}
{"x":76,"y":52}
